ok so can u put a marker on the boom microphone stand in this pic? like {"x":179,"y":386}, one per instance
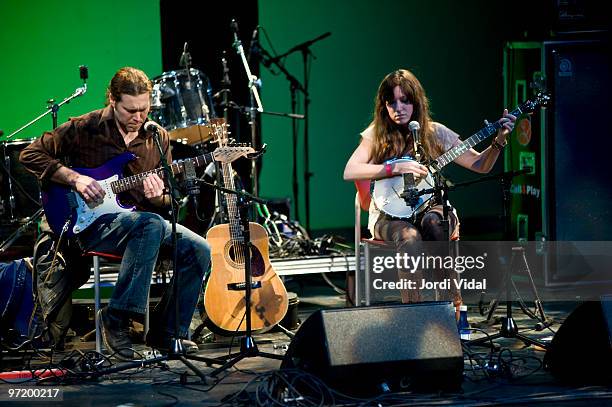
{"x":255,"y":100}
{"x":509,"y":329}
{"x":176,"y":351}
{"x":294,"y":86}
{"x":52,"y":109}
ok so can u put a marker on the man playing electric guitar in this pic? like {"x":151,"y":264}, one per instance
{"x":90,"y":141}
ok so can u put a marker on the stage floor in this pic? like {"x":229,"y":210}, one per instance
{"x":248,"y":381}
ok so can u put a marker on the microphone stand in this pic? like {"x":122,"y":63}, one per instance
{"x":294,"y":86}
{"x":176,"y":351}
{"x":255,"y":99}
{"x":52,"y":109}
{"x":509,"y":329}
{"x":248,"y":346}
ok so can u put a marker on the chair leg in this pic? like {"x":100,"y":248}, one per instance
{"x":96,"y":267}
{"x":146,"y":320}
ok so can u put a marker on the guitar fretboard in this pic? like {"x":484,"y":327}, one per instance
{"x":177,"y":167}
{"x":481,"y":135}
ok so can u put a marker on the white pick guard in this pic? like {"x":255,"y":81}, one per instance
{"x":88,"y":213}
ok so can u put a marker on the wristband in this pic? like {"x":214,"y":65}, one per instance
{"x":388,"y":170}
{"x":497,"y":146}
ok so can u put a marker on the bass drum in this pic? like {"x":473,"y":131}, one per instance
{"x":19,"y":194}
{"x":196,"y":219}
{"x":181,"y":102}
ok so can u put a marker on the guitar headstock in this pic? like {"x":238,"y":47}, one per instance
{"x":227,"y":154}
{"x":218,"y":128}
{"x":541,"y":99}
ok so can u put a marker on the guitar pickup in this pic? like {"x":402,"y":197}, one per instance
{"x":242,"y":286}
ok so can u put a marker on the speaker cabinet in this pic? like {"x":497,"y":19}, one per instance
{"x":581,"y":351}
{"x":363,"y":350}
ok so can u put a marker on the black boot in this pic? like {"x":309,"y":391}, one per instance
{"x":115,"y":333}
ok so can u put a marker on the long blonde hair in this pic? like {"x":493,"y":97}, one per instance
{"x":389,"y":142}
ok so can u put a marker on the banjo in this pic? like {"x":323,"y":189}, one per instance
{"x":387,"y":192}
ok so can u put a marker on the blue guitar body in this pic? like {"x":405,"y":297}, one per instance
{"x":64,"y":207}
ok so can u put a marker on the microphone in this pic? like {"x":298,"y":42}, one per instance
{"x":253,"y":41}
{"x":414,"y":127}
{"x":234,"y":28}
{"x":151,"y":127}
{"x":410,"y":194}
{"x":83,"y":72}
{"x":185,"y":57}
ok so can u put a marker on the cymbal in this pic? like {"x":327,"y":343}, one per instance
{"x":191,"y":135}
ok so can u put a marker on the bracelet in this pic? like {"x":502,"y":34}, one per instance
{"x":388,"y":170}
{"x":497,"y":146}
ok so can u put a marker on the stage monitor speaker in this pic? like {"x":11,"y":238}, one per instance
{"x":365,"y":350}
{"x":581,"y":350}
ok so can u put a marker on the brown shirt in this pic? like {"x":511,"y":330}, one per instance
{"x":89,"y":141}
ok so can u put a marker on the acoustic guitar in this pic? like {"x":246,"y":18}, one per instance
{"x":224,"y":297}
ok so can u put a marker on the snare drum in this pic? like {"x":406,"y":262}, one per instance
{"x":16,"y":203}
{"x":182,"y":104}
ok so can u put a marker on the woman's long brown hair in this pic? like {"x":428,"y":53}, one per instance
{"x":389,"y":141}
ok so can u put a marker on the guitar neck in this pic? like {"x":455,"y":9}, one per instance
{"x":465,"y":145}
{"x":232,"y":204}
{"x":177,"y":167}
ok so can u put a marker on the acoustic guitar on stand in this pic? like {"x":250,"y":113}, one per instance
{"x":224,"y":297}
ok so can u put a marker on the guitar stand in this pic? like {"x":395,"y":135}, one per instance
{"x":248,"y":347}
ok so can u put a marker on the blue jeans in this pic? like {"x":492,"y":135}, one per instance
{"x":138,"y":237}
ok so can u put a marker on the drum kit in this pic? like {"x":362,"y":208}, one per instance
{"x":181,"y":102}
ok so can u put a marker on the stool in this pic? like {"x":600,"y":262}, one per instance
{"x":96,"y":269}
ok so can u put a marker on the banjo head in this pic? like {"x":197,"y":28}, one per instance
{"x":386,"y":196}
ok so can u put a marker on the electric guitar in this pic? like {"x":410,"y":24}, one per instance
{"x":224,"y":298}
{"x":68,"y":213}
{"x":386,"y":192}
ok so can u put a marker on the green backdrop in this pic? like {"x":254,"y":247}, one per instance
{"x":43,"y":43}
{"x":455,"y":48}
